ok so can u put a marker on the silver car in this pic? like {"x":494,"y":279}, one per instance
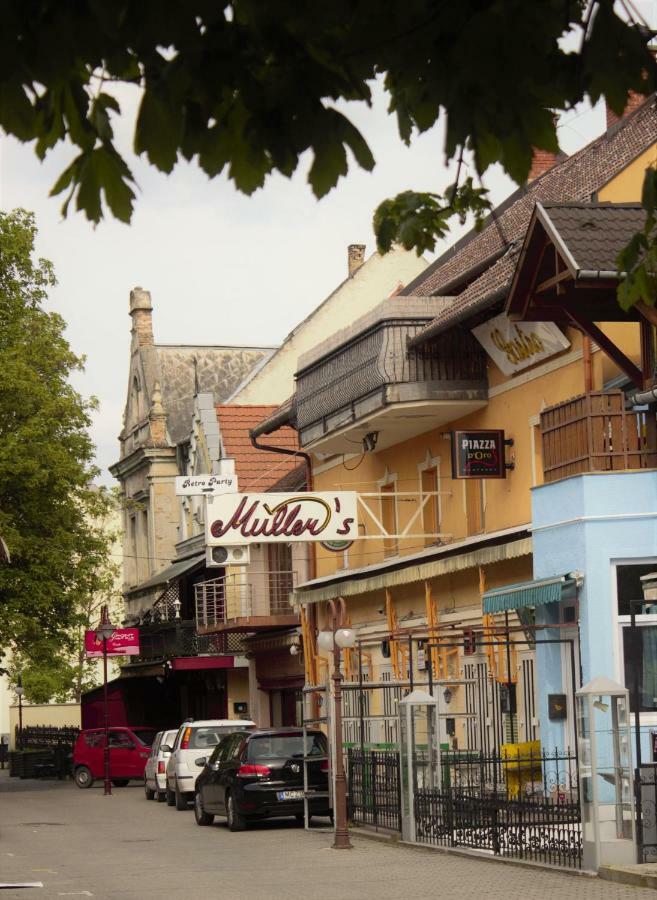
{"x":155,"y":773}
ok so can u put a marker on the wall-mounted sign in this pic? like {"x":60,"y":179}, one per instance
{"x":557,"y":707}
{"x":266,"y":518}
{"x":478,"y":454}
{"x":195,"y":485}
{"x":123,"y":642}
{"x":514,"y":346}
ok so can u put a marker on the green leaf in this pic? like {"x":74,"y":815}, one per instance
{"x":159,"y":130}
{"x":17,"y":115}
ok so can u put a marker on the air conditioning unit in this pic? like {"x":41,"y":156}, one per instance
{"x":227,"y":556}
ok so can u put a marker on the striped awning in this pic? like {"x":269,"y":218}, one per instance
{"x":529,"y":593}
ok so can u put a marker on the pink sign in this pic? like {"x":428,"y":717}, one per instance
{"x":123,"y":642}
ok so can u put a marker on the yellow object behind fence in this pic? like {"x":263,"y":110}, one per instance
{"x":522,"y":766}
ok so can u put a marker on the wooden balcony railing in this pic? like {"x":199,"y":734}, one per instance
{"x":596,"y":433}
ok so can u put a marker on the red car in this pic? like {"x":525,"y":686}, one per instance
{"x":129,"y":749}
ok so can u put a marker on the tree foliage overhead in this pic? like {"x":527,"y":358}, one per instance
{"x":247,"y":87}
{"x":49,"y":510}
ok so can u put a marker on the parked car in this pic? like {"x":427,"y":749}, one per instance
{"x":129,"y":748}
{"x":191,"y":740}
{"x":155,"y":773}
{"x":258,"y":774}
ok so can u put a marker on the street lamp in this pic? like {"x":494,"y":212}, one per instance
{"x":104,"y":632}
{"x":335,"y":640}
{"x":19,"y":690}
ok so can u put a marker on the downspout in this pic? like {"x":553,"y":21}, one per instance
{"x":270,"y":448}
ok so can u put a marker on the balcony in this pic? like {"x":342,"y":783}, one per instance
{"x":366,"y":378}
{"x":246,"y":601}
{"x":180,"y":638}
{"x":596,"y":433}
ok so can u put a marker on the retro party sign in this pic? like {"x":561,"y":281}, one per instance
{"x":264,"y":518}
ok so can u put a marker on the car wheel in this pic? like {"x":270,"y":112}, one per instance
{"x":148,"y":792}
{"x":161,"y":796}
{"x":234,"y":819}
{"x":171,"y":798}
{"x":120,"y":782}
{"x":83,"y":777}
{"x":180,"y":799}
{"x":202,"y":818}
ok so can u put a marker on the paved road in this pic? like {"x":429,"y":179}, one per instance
{"x":81,"y":844}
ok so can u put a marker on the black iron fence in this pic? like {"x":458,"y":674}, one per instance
{"x":520,"y":804}
{"x":40,"y":736}
{"x":374,"y":788}
{"x":645,"y":786}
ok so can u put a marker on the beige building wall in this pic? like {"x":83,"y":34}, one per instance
{"x":372,"y":282}
{"x":237,"y":690}
{"x":55,"y":715}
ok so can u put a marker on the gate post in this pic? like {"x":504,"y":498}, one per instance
{"x":375,"y":811}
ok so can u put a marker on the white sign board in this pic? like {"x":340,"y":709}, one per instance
{"x":514,"y":346}
{"x":197,"y":485}
{"x":265,"y":518}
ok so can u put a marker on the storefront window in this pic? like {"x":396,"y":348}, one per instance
{"x":639,"y":651}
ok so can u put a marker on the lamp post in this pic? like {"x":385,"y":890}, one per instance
{"x":104,"y":632}
{"x":19,"y":690}
{"x":339,"y":638}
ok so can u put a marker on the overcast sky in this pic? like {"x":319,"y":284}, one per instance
{"x":222,"y":268}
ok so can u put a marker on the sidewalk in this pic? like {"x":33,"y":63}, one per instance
{"x":644,"y":875}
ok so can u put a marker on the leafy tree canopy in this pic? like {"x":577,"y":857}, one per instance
{"x":248,"y":86}
{"x":49,"y":510}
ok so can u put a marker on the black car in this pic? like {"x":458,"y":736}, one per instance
{"x":256,"y":774}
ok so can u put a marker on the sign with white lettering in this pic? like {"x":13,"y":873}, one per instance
{"x":197,"y":485}
{"x":478,"y":454}
{"x":123,"y":642}
{"x":514,"y":346}
{"x":264,"y":518}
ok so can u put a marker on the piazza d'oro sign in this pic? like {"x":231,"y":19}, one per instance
{"x":264,"y":518}
{"x":478,"y":453}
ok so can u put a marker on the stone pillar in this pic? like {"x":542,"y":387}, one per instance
{"x":355,"y":258}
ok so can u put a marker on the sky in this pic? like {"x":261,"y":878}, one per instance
{"x":222,"y":268}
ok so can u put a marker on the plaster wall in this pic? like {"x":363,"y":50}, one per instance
{"x":375,"y":280}
{"x":587,"y":523}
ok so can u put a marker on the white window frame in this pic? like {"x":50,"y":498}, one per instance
{"x":647,"y":718}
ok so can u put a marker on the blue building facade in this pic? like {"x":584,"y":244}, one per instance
{"x":601,"y":529}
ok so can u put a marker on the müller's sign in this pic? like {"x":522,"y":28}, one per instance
{"x":478,"y":454}
{"x":253,"y":518}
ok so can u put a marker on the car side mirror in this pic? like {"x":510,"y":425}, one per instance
{"x":165,"y":748}
{"x":201,"y":761}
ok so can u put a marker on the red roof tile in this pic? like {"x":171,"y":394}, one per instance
{"x":257,"y":470}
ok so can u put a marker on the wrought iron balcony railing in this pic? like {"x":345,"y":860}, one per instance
{"x":167,"y":640}
{"x":248,"y":599}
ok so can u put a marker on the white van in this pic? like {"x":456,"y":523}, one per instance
{"x":194,"y":740}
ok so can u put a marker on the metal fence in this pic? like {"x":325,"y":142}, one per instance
{"x":242,"y":595}
{"x":521,"y":806}
{"x":645,"y":786}
{"x":39,"y":736}
{"x":374,"y":788}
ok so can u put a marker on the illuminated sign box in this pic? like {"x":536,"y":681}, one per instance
{"x":269,"y":518}
{"x":478,"y":454}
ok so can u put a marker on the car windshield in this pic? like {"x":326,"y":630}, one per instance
{"x":208,"y":736}
{"x":144,"y":735}
{"x":286,"y":746}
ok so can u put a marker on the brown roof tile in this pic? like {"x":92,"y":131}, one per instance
{"x":575,"y":179}
{"x":257,"y":470}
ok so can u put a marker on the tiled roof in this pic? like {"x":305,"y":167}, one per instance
{"x":257,"y":470}
{"x":595,"y":234}
{"x":186,"y":370}
{"x":577,"y":178}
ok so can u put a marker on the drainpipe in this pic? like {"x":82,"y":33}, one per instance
{"x":270,"y":448}
{"x":642,"y":397}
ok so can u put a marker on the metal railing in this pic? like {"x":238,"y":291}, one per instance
{"x":181,"y":638}
{"x":243,"y":595}
{"x":374,"y":788}
{"x":594,"y":432}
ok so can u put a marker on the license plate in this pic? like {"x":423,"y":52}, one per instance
{"x":290,"y":795}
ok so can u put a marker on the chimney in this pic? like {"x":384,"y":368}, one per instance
{"x":542,"y":161}
{"x":633,"y":102}
{"x":355,"y":257}
{"x":141,"y":311}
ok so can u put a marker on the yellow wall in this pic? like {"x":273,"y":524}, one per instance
{"x":626,"y":187}
{"x":56,"y":715}
{"x":237,"y":687}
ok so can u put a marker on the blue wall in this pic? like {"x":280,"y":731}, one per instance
{"x":584,"y":524}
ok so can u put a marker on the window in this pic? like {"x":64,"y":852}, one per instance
{"x":94,"y":739}
{"x":120,"y":740}
{"x":430,"y":484}
{"x":280,"y":577}
{"x":389,"y":517}
{"x":639,"y":651}
{"x":286,"y":746}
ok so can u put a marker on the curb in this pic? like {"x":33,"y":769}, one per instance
{"x":626,"y":876}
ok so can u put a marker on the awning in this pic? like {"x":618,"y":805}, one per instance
{"x":529,"y":593}
{"x":171,"y":572}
